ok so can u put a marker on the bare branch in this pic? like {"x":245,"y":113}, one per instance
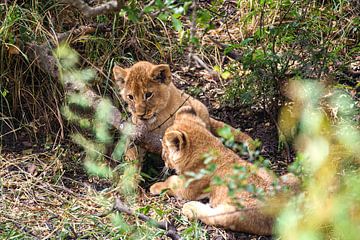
{"x":105,"y":8}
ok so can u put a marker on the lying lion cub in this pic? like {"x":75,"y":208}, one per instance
{"x":153,"y":100}
{"x":184,"y":145}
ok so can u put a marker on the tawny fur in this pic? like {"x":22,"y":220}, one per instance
{"x":184,"y":145}
{"x":152,"y":98}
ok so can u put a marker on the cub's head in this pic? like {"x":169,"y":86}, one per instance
{"x":144,"y":86}
{"x":178,"y":140}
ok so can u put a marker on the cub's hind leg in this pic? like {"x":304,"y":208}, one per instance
{"x":250,"y":220}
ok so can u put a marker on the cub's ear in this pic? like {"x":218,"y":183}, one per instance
{"x":161,"y":73}
{"x":119,"y":74}
{"x":176,"y":140}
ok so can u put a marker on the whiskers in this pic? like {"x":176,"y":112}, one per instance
{"x":165,"y":172}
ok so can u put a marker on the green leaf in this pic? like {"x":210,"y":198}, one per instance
{"x":203,"y":17}
{"x":225,"y":132}
{"x":163,"y":16}
{"x":177,"y":24}
{"x":159,"y":212}
{"x":67,"y":56}
{"x":4,"y":92}
{"x":217,"y":68}
{"x":149,"y":9}
{"x":144,"y":210}
{"x":119,"y":148}
{"x":225,"y":75}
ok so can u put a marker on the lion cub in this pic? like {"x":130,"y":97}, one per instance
{"x":184,"y":145}
{"x":153,"y":99}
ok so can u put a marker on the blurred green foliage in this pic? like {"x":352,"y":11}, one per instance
{"x":328,"y":161}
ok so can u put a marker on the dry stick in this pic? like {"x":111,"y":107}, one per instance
{"x":170,"y":229}
{"x":105,"y":8}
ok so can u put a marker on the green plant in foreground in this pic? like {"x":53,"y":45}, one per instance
{"x":329,"y":159}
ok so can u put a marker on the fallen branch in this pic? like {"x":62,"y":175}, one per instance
{"x":168,"y":227}
{"x":105,"y":8}
{"x":147,"y":139}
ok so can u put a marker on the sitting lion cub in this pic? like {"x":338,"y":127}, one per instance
{"x":153,"y":100}
{"x":184,"y":145}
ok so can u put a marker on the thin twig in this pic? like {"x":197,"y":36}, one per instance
{"x":171,"y":114}
{"x":288,"y":157}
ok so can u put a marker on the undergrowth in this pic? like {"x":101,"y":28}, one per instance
{"x":258,"y":48}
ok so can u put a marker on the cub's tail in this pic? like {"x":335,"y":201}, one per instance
{"x":239,"y":136}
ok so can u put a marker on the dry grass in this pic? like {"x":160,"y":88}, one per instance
{"x":38,"y":200}
{"x":48,"y":195}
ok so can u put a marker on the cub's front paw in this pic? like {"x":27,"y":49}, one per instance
{"x":191,"y":209}
{"x":156,"y":188}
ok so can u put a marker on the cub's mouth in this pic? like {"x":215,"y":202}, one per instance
{"x":149,"y":119}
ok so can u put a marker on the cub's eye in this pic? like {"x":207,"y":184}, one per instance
{"x":148,"y":95}
{"x":130,"y":97}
